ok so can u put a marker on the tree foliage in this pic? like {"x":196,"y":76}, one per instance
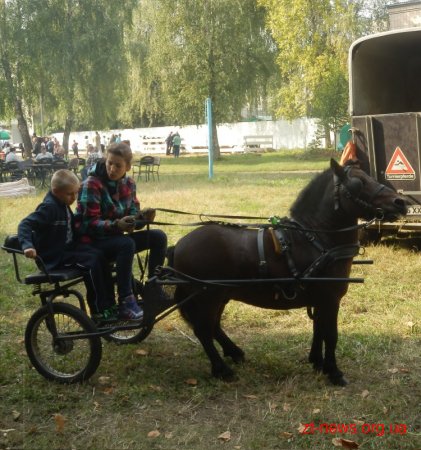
{"x":106,"y":63}
{"x":313,"y":39}
{"x":190,"y":50}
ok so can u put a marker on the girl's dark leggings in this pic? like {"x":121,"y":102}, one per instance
{"x":122,"y":249}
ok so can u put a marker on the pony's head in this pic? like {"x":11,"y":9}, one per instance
{"x":356,"y":191}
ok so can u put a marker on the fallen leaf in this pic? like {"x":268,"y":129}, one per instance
{"x":250,"y":396}
{"x":404,"y":370}
{"x":141,"y":352}
{"x":191,"y":381}
{"x":286,"y":407}
{"x":59,"y":420}
{"x":108,"y":390}
{"x":154,"y":434}
{"x":16,"y":415}
{"x":7,"y":430}
{"x":394,"y":370}
{"x":169,"y":327}
{"x":410,"y":324}
{"x":301,"y":428}
{"x":359,"y":422}
{"x":104,"y":380}
{"x":365,"y":393}
{"x":385,"y":410}
{"x":154,"y":387}
{"x":286,"y":435}
{"x":168,"y":435}
{"x":346,"y":443}
{"x":272,"y":406}
{"x":33,"y":430}
{"x":316,"y":411}
{"x":225,"y":436}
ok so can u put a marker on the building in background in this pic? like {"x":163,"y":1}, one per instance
{"x":404,"y":15}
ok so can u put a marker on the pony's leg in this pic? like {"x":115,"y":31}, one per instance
{"x":330,"y":367}
{"x":328,"y":318}
{"x":230,"y":349}
{"x":202,"y":314}
{"x":316,"y":352}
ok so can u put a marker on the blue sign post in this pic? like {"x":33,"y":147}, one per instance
{"x":210,"y":137}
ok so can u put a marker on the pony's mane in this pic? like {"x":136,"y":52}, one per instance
{"x":309,"y":198}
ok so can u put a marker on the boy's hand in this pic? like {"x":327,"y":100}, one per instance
{"x":30,"y":253}
{"x":127,"y":224}
{"x":146,"y":214}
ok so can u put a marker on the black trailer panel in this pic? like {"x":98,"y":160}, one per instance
{"x":385,"y":105}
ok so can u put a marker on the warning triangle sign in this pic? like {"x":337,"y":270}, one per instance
{"x":399,"y":168}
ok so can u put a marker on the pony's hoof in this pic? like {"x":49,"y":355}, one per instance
{"x":225,"y":374}
{"x":237,"y":357}
{"x":338,"y":380}
{"x":318,"y":368}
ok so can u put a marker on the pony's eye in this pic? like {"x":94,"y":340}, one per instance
{"x":354,"y":185}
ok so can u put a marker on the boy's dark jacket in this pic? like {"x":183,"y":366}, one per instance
{"x":46,"y":230}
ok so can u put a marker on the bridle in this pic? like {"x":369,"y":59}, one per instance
{"x":351,"y":188}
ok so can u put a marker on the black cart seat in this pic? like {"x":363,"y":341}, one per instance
{"x":53,"y":276}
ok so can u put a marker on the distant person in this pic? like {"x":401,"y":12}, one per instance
{"x":118,"y":139}
{"x":112,"y":139}
{"x":44,"y":155}
{"x":50,"y":146}
{"x":12,"y":156}
{"x":169,"y":143}
{"x":92,"y":157}
{"x":103,"y":144}
{"x":59,"y":152}
{"x":86,"y":142}
{"x":97,"y":141}
{"x":176,"y":142}
{"x":75,"y":148}
{"x":37,"y":145}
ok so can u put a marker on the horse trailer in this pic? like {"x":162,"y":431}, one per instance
{"x":385,"y":108}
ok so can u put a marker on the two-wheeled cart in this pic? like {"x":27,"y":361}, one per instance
{"x":64,"y":344}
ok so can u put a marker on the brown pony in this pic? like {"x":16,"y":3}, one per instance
{"x":320,"y":240}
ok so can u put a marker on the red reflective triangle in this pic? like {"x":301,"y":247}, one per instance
{"x":398,"y":164}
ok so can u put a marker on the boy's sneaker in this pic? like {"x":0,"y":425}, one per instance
{"x":106,"y":316}
{"x":130,"y":310}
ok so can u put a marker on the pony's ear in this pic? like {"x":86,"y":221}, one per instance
{"x":337,"y":169}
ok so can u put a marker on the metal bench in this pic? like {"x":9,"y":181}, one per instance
{"x":262,"y":141}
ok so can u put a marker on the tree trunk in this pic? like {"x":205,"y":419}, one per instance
{"x":23,"y":128}
{"x":17,"y":103}
{"x":67,"y":130}
{"x":216,"y":149}
{"x":327,"y":137}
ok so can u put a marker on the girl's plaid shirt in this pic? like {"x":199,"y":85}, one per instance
{"x":101,"y":203}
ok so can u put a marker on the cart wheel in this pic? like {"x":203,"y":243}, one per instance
{"x":65,"y":361}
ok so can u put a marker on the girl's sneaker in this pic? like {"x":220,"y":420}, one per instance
{"x":130,"y":310}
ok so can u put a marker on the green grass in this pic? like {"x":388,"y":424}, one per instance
{"x":379,"y":349}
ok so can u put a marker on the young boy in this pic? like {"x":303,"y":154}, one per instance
{"x":48,"y":232}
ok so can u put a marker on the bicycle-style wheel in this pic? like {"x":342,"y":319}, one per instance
{"x":67,"y":360}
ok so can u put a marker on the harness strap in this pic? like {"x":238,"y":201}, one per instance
{"x":261,"y":251}
{"x":275,"y":240}
{"x":286,"y":250}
